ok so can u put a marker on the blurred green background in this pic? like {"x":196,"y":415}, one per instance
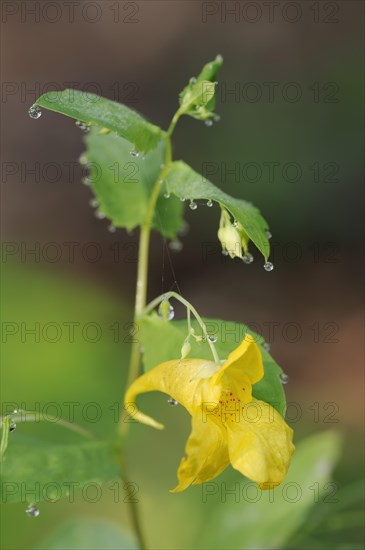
{"x":313,"y":298}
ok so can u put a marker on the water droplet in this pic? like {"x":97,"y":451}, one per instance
{"x":85,"y":180}
{"x":235,"y":223}
{"x":212,"y":338}
{"x":225,"y":252}
{"x":268,"y":266}
{"x":183,"y":199}
{"x":193,"y":205}
{"x":83,"y":158}
{"x":171,"y":313}
{"x":284,"y":378}
{"x":12,"y":426}
{"x":208,"y":122}
{"x":176,"y":246}
{"x":219,"y":58}
{"x":266,"y":346}
{"x":268,"y":234}
{"x":112,"y":228}
{"x":210,"y":203}
{"x":167,"y":195}
{"x":32,"y":510}
{"x":172,"y":402}
{"x":192,"y":80}
{"x":248,"y":258}
{"x":93,"y":203}
{"x":135,"y":153}
{"x":83,"y":126}
{"x":34,"y":112}
{"x":184,"y":229}
{"x":100,"y":215}
{"x":216,"y":118}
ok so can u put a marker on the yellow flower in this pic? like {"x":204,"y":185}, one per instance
{"x":228,"y":424}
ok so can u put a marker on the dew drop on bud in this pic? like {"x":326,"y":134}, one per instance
{"x":208,"y":122}
{"x":135,"y":153}
{"x":192,"y":80}
{"x":266,"y":346}
{"x":268,"y":266}
{"x":176,"y":246}
{"x":212,"y":338}
{"x":112,"y":228}
{"x":210,"y":203}
{"x":85,"y":180}
{"x":183,"y":199}
{"x":268,"y":234}
{"x":284,"y":378}
{"x":32,"y":510}
{"x":100,"y":215}
{"x":247,"y":259}
{"x":235,"y":224}
{"x":172,"y":402}
{"x":193,"y":205}
{"x":34,"y":112}
{"x":167,"y":195}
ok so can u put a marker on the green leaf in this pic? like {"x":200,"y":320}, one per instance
{"x":268,"y":519}
{"x":163,"y":340}
{"x":122,"y":184}
{"x":185,"y":183}
{"x":197,"y":98}
{"x":98,"y":111}
{"x":31,"y":463}
{"x":94,"y":534}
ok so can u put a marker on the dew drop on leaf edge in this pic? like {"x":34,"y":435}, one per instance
{"x":193,"y":205}
{"x":172,"y":402}
{"x":284,"y":378}
{"x":34,"y":112}
{"x":268,"y":266}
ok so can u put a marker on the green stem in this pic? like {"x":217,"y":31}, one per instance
{"x":189,"y":307}
{"x":4,"y":436}
{"x":140,"y":304}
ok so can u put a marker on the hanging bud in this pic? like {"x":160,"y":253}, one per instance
{"x":229,"y":236}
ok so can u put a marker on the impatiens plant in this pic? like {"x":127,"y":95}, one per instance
{"x":232,"y":389}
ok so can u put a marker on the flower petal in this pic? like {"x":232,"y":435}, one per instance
{"x":260,"y":444}
{"x":185,"y":380}
{"x":207,"y":454}
{"x":243,"y":368}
